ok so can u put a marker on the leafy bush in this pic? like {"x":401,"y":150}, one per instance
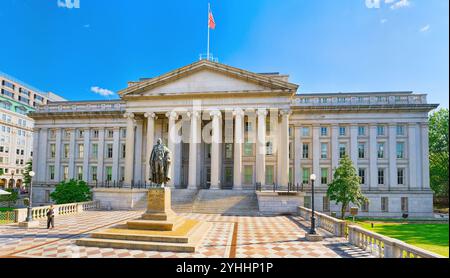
{"x":11,"y":199}
{"x":71,"y":192}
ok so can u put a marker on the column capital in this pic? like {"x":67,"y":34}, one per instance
{"x":172,"y":115}
{"x":36,"y":129}
{"x":392,"y":124}
{"x":262,"y":112}
{"x":286,"y":112}
{"x":334,"y":125}
{"x":114,"y":128}
{"x":249,"y":110}
{"x":425,"y":125}
{"x":412,"y":124}
{"x":193,"y":114}
{"x":150,"y":115}
{"x":238,"y":113}
{"x":215,"y":113}
{"x":129,"y":116}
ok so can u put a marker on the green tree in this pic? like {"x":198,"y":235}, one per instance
{"x":72,"y":191}
{"x":439,"y":158}
{"x":11,"y":199}
{"x":345,"y":188}
{"x":26,"y":173}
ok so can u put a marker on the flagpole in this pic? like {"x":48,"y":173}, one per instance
{"x":207,"y":53}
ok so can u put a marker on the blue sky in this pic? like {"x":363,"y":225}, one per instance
{"x":325,"y":45}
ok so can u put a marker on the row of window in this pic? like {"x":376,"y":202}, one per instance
{"x":22,"y":91}
{"x":80,"y":151}
{"x":94,"y":134}
{"x":362,"y":131}
{"x":6,"y":170}
{"x":384,"y":204}
{"x":93,"y":173}
{"x":8,"y":129}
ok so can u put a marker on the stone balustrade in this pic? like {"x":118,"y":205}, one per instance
{"x":326,"y":222}
{"x":65,"y":209}
{"x":378,"y":245}
{"x":385,"y":247}
{"x":81,"y":107}
{"x":359,"y":99}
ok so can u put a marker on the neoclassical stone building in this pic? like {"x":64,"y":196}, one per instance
{"x":231,"y":129}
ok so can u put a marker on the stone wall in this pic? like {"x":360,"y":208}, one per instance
{"x":279,"y":202}
{"x":120,"y":198}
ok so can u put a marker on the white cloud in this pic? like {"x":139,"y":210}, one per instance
{"x":373,"y":4}
{"x":87,"y":26}
{"x":425,"y":28}
{"x":69,"y":4}
{"x":401,"y":4}
{"x":101,"y":91}
{"x":383,"y":21}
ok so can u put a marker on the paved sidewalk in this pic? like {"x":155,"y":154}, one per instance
{"x":229,"y":237}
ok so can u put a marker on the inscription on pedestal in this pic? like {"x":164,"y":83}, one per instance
{"x":158,"y":200}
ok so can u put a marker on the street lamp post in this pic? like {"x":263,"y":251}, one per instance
{"x":312,"y":231}
{"x":30,"y":194}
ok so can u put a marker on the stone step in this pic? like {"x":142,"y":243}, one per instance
{"x":137,"y":245}
{"x":155,"y":225}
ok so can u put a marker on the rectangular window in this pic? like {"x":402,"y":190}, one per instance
{"x":384,"y":204}
{"x":380,"y":130}
{"x":269,"y":148}
{"x":400,"y":130}
{"x":362,"y":175}
{"x":110,"y":133}
{"x":324,"y":151}
{"x":342,"y":150}
{"x":306,"y":174}
{"x":248,"y":126}
{"x":307,"y":201}
{"x":80,"y":150}
{"x":94,"y":173}
{"x":400,"y":176}
{"x":365,"y":207}
{"x":326,"y":204}
{"x":381,"y":176}
{"x":400,"y":150}
{"x":323,"y":131}
{"x":361,"y":150}
{"x":269,"y":174}
{"x":108,"y":173}
{"x":380,"y":150}
{"x":123,"y":132}
{"x":324,"y":176}
{"x":52,"y":150}
{"x":65,"y":172}
{"x":228,"y":151}
{"x":95,"y":133}
{"x":248,"y":149}
{"x":305,"y":148}
{"x":122,"y":173}
{"x":305,"y":131}
{"x":404,"y":204}
{"x":228,"y":175}
{"x":248,"y":174}
{"x":109,"y":150}
{"x":342,"y":131}
{"x":51,"y":170}
{"x":123,"y":150}
{"x":94,"y":153}
{"x":80,"y":173}
{"x":80,"y":133}
{"x":66,"y":151}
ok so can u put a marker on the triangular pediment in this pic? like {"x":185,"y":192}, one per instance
{"x":205,"y":77}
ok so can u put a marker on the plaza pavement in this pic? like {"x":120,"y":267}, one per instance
{"x":229,"y":237}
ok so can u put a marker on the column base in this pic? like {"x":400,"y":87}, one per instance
{"x":313,"y":238}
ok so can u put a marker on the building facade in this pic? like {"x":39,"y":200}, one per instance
{"x":17,"y":99}
{"x":229,"y":128}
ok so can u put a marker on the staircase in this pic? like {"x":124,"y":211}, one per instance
{"x":183,"y":200}
{"x":226,"y":202}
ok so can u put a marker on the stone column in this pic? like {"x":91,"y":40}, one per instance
{"x":116,"y":151}
{"x":138,"y":152}
{"x":36,"y":145}
{"x":283,"y":147}
{"x":316,"y":152}
{"x":173,"y":116}
{"x":215,"y":150}
{"x":297,"y":155}
{"x":57,"y":155}
{"x":101,"y":154}
{"x":373,"y":157}
{"x":392,"y":155}
{"x":334,"y":147}
{"x":42,"y":158}
{"x":238,"y":141}
{"x":72,"y":153}
{"x":354,"y":144}
{"x":412,"y":154}
{"x":86,"y":153}
{"x":194,"y":143}
{"x":129,"y":149}
{"x":261,"y":147}
{"x":151,"y":117}
{"x":425,"y":157}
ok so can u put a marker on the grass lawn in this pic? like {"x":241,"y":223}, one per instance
{"x":427,"y":235}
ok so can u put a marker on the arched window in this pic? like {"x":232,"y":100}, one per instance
{"x":21,"y":110}
{"x":5,"y":105}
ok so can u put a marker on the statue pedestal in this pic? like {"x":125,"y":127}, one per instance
{"x":159,"y":205}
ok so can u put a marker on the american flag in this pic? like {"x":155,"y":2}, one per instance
{"x":211,"y":22}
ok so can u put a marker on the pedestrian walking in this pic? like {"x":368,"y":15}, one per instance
{"x":51,"y":217}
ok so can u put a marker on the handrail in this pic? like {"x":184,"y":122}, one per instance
{"x":326,"y":222}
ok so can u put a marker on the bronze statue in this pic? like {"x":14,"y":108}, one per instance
{"x":160,"y":161}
